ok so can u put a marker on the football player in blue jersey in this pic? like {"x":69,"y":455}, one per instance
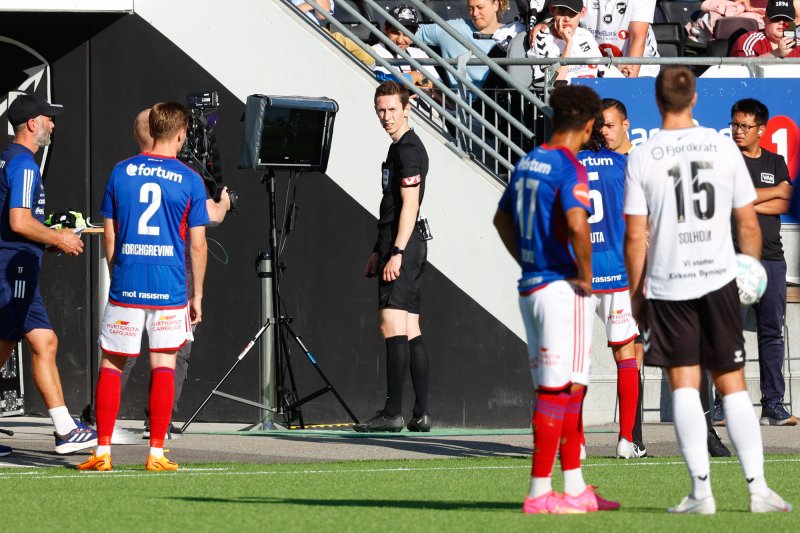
{"x":606,"y":172}
{"x":23,"y":238}
{"x":543,"y":212}
{"x":151,"y":202}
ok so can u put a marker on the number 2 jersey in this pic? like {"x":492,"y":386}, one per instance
{"x":606,"y":172}
{"x":153,"y":201}
{"x":546,"y":184}
{"x":687,"y":181}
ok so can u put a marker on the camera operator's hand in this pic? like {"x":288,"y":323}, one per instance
{"x":225,"y":199}
{"x":196,"y":309}
{"x":372,"y":265}
{"x":68,"y":242}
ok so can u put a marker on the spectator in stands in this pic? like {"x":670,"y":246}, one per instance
{"x":622,"y":29}
{"x":306,"y":8}
{"x":483,"y":28}
{"x":770,"y":41}
{"x":562,"y":37}
{"x":407,"y":16}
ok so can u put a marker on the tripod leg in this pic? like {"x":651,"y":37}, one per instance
{"x":316,"y":366}
{"x":228,"y":373}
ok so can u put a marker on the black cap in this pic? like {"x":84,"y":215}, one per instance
{"x":28,"y":106}
{"x":573,"y":5}
{"x":780,"y":9}
{"x":405,"y":15}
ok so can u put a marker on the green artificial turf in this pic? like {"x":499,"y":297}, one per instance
{"x":421,"y":495}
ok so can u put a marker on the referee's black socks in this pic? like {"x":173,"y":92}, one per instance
{"x":397,"y":356}
{"x":420,"y":374}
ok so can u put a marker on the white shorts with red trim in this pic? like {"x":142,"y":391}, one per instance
{"x":121,"y":329}
{"x":558,"y":323}
{"x":614,"y":309}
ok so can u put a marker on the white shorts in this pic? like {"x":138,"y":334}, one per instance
{"x":558,"y":322}
{"x":614,"y":309}
{"x":121,"y":329}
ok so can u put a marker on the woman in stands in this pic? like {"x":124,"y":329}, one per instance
{"x":483,"y":27}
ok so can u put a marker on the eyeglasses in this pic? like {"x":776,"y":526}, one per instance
{"x":742,"y":127}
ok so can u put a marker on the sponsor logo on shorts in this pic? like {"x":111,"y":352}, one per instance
{"x":123,"y":329}
{"x":168,"y":323}
{"x":619,"y":316}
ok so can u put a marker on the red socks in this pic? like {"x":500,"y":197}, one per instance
{"x":107,"y":404}
{"x":162,"y":392}
{"x":628,"y":393}
{"x":548,"y":419}
{"x":572,"y":431}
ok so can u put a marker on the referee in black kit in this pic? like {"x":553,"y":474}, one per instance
{"x":399,"y":259}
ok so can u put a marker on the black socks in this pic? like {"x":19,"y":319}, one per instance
{"x":420,"y":374}
{"x":397,"y":356}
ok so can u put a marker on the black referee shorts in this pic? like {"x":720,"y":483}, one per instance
{"x":406,"y":291}
{"x":706,"y":331}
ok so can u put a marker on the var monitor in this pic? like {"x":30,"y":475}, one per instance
{"x":287,"y":132}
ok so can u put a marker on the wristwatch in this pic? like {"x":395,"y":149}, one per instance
{"x":395,"y":251}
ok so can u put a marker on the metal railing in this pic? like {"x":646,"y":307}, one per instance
{"x":494,"y":127}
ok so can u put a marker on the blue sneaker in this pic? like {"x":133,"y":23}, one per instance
{"x":78,"y":439}
{"x":775,"y":414}
{"x":4,"y":451}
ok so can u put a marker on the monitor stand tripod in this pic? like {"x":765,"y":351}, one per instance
{"x":286,"y":402}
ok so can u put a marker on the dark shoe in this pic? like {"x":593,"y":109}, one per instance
{"x":79,"y":438}
{"x":172,"y":432}
{"x":422,"y":423}
{"x":775,"y":414}
{"x":715,"y":446}
{"x":718,"y":415}
{"x":381,"y":423}
{"x":5,"y":451}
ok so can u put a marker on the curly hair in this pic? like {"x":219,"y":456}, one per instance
{"x":597,"y":140}
{"x":573,"y":106}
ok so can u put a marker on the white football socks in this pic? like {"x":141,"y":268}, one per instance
{"x":157,"y":452}
{"x":62,"y":421}
{"x":573,"y":482}
{"x":102,"y":450}
{"x":539,"y":486}
{"x":691,"y":431}
{"x":745,"y":433}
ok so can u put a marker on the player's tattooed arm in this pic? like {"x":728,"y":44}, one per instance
{"x":635,"y":256}
{"x":578,"y":228}
{"x":504,"y":224}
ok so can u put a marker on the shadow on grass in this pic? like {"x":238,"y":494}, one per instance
{"x":399,"y":504}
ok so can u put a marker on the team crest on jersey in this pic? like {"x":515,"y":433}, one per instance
{"x":766,"y":177}
{"x":595,"y":4}
{"x":585,"y":47}
{"x":622,"y":7}
{"x":24,"y":71}
{"x":581,"y":193}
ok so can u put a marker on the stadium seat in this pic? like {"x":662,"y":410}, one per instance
{"x":680,"y":12}
{"x":449,"y":9}
{"x":352,"y":23}
{"x":719,"y":48}
{"x":725,"y":27}
{"x":669,"y":38}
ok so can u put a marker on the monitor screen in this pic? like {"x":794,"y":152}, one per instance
{"x":292,"y":137}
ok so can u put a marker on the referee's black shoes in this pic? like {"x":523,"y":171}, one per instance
{"x":715,"y":446}
{"x":421,"y":423}
{"x":381,"y":423}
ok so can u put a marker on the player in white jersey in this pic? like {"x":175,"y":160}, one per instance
{"x":686,"y":182}
{"x":622,"y":29}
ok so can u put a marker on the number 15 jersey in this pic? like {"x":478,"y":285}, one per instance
{"x":687,"y":181}
{"x":153,"y":200}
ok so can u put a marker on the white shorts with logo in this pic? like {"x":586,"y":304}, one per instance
{"x":558,"y":323}
{"x":614,"y":309}
{"x":122,"y":327}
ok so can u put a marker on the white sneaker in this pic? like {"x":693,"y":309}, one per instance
{"x":629,"y":450}
{"x":769,"y":504}
{"x":689,"y":505}
{"x":125,"y":436}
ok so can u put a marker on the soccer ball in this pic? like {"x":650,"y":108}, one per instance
{"x":751,"y":279}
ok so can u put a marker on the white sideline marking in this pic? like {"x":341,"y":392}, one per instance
{"x":212,"y":471}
